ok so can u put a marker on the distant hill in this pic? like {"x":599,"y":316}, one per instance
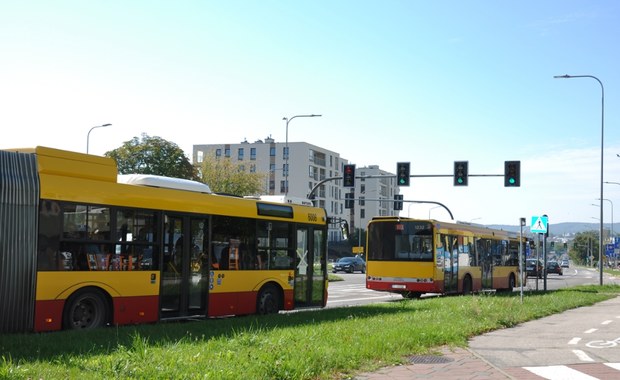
{"x":559,"y":229}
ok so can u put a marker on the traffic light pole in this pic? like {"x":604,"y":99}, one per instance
{"x":314,"y":189}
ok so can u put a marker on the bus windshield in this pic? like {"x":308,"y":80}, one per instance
{"x":411,"y":241}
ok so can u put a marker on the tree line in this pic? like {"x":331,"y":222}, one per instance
{"x":157,"y":156}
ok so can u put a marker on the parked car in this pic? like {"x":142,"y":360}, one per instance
{"x":564,"y":263}
{"x":349,"y":265}
{"x":554,"y":267}
{"x":533,"y":268}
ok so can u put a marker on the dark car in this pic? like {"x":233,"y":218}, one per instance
{"x":533,"y":268}
{"x":349,"y":265}
{"x":554,"y":267}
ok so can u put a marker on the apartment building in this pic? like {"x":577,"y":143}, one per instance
{"x":293,"y":172}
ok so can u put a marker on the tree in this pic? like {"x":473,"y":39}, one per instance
{"x":223,"y":176}
{"x":152,"y":155}
{"x":585,"y":244}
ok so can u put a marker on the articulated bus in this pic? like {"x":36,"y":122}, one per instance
{"x":412,"y":257}
{"x":82,"y":247}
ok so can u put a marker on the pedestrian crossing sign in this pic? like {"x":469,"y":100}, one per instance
{"x":539,"y":225}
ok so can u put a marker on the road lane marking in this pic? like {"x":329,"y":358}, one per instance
{"x":559,"y":372}
{"x":582,"y":356}
{"x":590,"y":331}
{"x":606,"y":322}
{"x":613,"y":365}
{"x":574,"y":341}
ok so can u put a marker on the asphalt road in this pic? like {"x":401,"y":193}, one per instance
{"x":352,"y":290}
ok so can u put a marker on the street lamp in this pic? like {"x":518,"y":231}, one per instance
{"x":612,"y":215}
{"x":90,"y":130}
{"x":430,"y":209}
{"x":288,"y":120}
{"x":600,"y":243}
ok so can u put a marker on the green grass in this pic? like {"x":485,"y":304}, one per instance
{"x":319,"y":344}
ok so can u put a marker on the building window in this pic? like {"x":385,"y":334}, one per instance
{"x":253,"y":154}
{"x":272,"y":151}
{"x":218,"y":153}
{"x":253,"y":168}
{"x":200,"y":156}
{"x":240,"y":154}
{"x":227,"y":152}
{"x":285,"y":152}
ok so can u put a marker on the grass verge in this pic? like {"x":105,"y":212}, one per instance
{"x":319,"y":344}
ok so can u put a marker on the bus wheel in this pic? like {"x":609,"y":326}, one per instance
{"x":467,"y":285}
{"x":512,"y":282}
{"x":268,"y":300}
{"x":86,"y":309}
{"x":412,"y":295}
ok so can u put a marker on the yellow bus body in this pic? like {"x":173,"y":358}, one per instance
{"x":478,"y":258}
{"x":135,"y":296}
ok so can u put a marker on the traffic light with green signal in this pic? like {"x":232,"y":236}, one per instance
{"x":402,"y":173}
{"x":512,"y":173}
{"x":460,"y":173}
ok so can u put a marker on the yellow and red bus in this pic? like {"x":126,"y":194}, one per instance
{"x":413,"y":257}
{"x":82,"y":247}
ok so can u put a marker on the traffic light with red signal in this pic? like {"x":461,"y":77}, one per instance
{"x":348,"y":177}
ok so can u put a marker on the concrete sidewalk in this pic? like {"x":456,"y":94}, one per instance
{"x":451,"y":364}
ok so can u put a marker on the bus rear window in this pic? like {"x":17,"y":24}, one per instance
{"x":406,"y":241}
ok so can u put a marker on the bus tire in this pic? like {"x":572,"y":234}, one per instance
{"x":412,"y":295}
{"x":85,"y":309}
{"x":268,"y":301}
{"x":467,"y":285}
{"x":512,"y":282}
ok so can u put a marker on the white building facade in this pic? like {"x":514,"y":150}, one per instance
{"x":304,"y":167}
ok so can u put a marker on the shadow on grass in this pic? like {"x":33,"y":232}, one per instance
{"x":48,"y":346}
{"x":102,"y":341}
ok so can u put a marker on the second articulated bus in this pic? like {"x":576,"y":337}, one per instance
{"x":412,"y":257}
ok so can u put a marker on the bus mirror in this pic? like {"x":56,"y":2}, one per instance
{"x":344,"y":226}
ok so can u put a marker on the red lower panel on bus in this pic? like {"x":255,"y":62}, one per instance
{"x":127,"y":310}
{"x":48,"y":315}
{"x":133,"y":310}
{"x":221,"y":304}
{"x":405,"y":286}
{"x":240,"y":303}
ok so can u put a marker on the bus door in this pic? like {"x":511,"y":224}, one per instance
{"x":486,"y":262}
{"x":310,"y":270}
{"x":451,"y":264}
{"x":184,"y":273}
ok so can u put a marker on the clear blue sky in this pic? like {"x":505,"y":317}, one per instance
{"x":428,"y":82}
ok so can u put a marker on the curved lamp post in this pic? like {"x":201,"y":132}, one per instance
{"x":600,"y":247}
{"x":288,"y":120}
{"x":90,"y":130}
